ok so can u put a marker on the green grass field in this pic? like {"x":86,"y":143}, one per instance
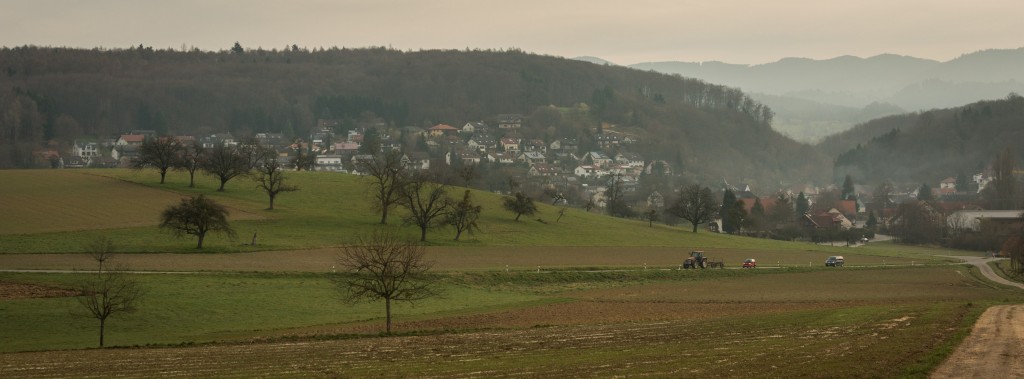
{"x":329,"y":210}
{"x":589,"y":295}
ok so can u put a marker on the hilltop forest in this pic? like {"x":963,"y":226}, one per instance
{"x":51,"y":96}
{"x":927,"y":147}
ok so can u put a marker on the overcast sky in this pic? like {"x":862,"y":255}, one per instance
{"x":624,"y":32}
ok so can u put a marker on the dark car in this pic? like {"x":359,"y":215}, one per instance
{"x":750,"y":263}
{"x":835,"y":261}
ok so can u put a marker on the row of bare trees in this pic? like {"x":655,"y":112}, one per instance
{"x":427,"y":203}
{"x":221,"y":161}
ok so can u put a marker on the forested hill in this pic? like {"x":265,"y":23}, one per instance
{"x":55,"y":95}
{"x":930,"y":146}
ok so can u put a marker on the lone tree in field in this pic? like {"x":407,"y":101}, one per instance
{"x":111,"y":292}
{"x":381,"y":266}
{"x":696,"y":205}
{"x":196,"y":216}
{"x":225,"y":163}
{"x":520,"y":204}
{"x":159,"y":153}
{"x":426,"y":202}
{"x":101,"y":250}
{"x":270,"y":176}
{"x":387,"y":175}
{"x":651,"y":216}
{"x":463,"y":215}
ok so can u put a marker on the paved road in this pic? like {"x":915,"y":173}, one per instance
{"x":982,"y":264}
{"x":995,"y":348}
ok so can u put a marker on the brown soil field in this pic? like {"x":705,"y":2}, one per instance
{"x":583,"y":339}
{"x":11,"y":291}
{"x":445,"y":258}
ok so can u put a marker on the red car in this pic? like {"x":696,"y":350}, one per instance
{"x":750,"y":263}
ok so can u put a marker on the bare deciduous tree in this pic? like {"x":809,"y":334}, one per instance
{"x":463,"y":215}
{"x":426,"y":202}
{"x":111,"y":292}
{"x":160,"y":153}
{"x":270,"y":176}
{"x":381,"y":266}
{"x":101,"y":250}
{"x":196,"y":216}
{"x":388,"y":175}
{"x":520,"y":204}
{"x":696,"y":205}
{"x":225,"y":163}
{"x":190,"y":159}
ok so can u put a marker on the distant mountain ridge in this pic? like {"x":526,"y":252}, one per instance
{"x":907,"y":83}
{"x":856,"y":82}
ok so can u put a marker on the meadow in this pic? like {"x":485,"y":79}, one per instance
{"x":588,"y":295}
{"x":328,"y":210}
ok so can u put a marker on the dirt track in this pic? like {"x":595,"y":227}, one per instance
{"x":994,"y":349}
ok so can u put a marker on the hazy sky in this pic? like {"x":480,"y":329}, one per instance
{"x":624,"y":32}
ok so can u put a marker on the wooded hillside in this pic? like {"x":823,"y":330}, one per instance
{"x":55,"y":95}
{"x":930,"y":146}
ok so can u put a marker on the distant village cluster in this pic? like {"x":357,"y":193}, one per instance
{"x":499,"y":159}
{"x":559,"y":165}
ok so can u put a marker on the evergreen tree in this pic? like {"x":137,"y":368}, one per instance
{"x":849,"y":192}
{"x":783,"y":211}
{"x":963,"y":183}
{"x":736,"y":217}
{"x":757,"y":218}
{"x":925,"y":193}
{"x":872,"y":221}
{"x":728,"y":202}
{"x":802,"y":204}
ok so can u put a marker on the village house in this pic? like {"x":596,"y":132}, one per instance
{"x":85,"y":149}
{"x":510,"y":121}
{"x":330,"y":162}
{"x":467,"y":157}
{"x":531,"y":157}
{"x":124,"y":154}
{"x":999,"y":222}
{"x":597,"y":158}
{"x":416,"y":160}
{"x":501,"y":158}
{"x":130,"y":139}
{"x":442,"y":130}
{"x":607,"y":141}
{"x":589,"y":171}
{"x":630,"y":159}
{"x":270,"y":139}
{"x":482,"y":143}
{"x":832,"y":219}
{"x":213,"y":140}
{"x":544,"y":169}
{"x":510,"y":144}
{"x":568,"y":145}
{"x":474,"y":127}
{"x":535,"y":145}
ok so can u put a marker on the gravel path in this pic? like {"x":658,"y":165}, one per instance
{"x":995,"y":348}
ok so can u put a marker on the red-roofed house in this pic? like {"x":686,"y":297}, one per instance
{"x":442,"y":129}
{"x":130,"y":139}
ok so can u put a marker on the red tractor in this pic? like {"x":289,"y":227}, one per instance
{"x":698,"y":259}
